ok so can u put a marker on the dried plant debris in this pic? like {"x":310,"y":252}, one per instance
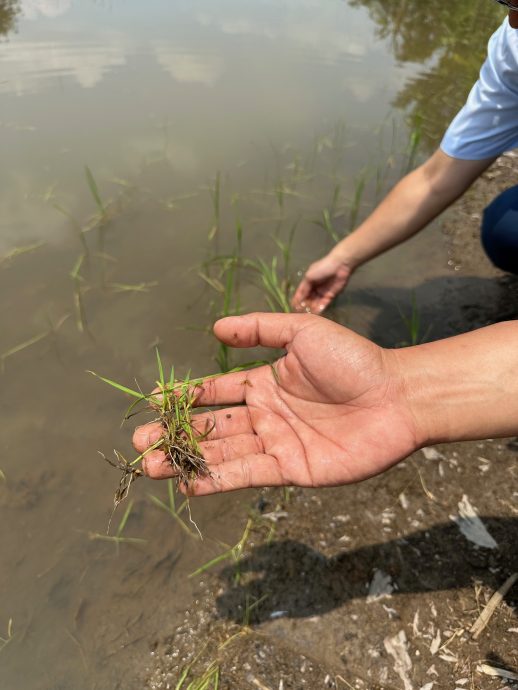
{"x":492,"y":606}
{"x":397,"y":647}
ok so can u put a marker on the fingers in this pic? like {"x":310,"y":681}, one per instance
{"x":301,"y":295}
{"x":254,"y":470}
{"x":310,"y":297}
{"x":215,"y":425}
{"x":144,"y":436}
{"x":269,"y":330}
{"x":156,"y":465}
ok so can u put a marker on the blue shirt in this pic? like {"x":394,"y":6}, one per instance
{"x":487,"y":125}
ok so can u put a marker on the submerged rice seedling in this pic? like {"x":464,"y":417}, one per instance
{"x":117,"y":538}
{"x":413,"y":324}
{"x":21,"y":346}
{"x":286,"y":249}
{"x":137,"y":287}
{"x":17,"y":251}
{"x":172,"y":510}
{"x":4,"y":641}
{"x":215,"y":194}
{"x":233,"y":553}
{"x":276,"y":290}
{"x":327,"y":224}
{"x":414,"y":143}
{"x":76,"y":276}
{"x":94,"y":190}
{"x":357,"y":198}
{"x":77,"y":227}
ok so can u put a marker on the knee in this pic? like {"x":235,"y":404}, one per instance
{"x":500,"y":231}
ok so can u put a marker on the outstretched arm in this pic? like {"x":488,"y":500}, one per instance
{"x":413,"y":203}
{"x":339,"y":408}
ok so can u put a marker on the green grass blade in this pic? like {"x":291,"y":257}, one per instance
{"x":119,"y":386}
{"x":170,"y":493}
{"x":94,"y":190}
{"x":160,"y":504}
{"x":214,"y":561}
{"x":160,"y":369}
{"x":122,"y":523}
{"x":75,"y":272}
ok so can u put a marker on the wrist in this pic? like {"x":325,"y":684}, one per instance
{"x":461,"y":388}
{"x":342,"y":253}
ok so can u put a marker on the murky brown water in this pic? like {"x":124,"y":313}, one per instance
{"x":289,"y":101}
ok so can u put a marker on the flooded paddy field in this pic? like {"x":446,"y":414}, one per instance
{"x":163,"y":164}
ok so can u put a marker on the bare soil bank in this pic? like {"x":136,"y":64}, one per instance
{"x":375,"y":586}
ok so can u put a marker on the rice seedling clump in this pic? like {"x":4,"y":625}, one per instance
{"x":172,"y":403}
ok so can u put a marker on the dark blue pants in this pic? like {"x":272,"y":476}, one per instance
{"x":500,"y":231}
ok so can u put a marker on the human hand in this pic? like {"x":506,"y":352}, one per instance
{"x":321,"y":283}
{"x":333,"y":413}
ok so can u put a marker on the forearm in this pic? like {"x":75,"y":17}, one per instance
{"x":463,"y":388}
{"x":413,"y":203}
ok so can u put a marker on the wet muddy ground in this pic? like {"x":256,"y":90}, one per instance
{"x":377,"y":585}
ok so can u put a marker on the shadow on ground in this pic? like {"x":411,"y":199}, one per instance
{"x":299,"y":581}
{"x":444,"y":306}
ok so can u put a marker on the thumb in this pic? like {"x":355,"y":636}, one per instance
{"x":269,"y":330}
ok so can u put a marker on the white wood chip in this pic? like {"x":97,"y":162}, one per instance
{"x":436,"y":643}
{"x":415,"y":625}
{"x":472,"y":526}
{"x":432,"y":454}
{"x":381,"y":587}
{"x":397,"y":647}
{"x":497,"y":672}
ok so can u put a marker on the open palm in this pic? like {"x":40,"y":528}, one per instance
{"x":332,"y":413}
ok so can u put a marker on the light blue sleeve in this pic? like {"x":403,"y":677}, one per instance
{"x":487,"y":125}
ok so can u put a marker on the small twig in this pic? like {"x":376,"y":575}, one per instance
{"x":497,"y":672}
{"x":427,"y":492}
{"x":491,"y":606}
{"x":252,"y":679}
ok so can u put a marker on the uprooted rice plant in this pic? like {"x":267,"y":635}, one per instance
{"x":171,"y":404}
